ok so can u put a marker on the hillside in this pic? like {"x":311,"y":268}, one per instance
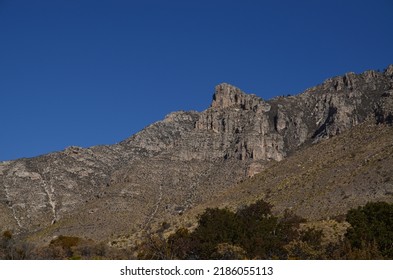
{"x":318,"y":153}
{"x":324,"y":180}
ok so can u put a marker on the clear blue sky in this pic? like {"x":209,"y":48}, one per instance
{"x":90,"y":72}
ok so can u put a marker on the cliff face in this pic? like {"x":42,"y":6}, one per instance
{"x":246,"y":127}
{"x":177,"y":163}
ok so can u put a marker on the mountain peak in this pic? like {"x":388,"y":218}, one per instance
{"x":227,"y":95}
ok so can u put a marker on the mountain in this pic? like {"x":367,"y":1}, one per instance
{"x":319,"y":153}
{"x":323,"y":180}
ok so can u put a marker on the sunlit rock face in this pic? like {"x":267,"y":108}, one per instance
{"x":182,"y":160}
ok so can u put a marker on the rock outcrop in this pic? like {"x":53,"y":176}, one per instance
{"x":178,"y":162}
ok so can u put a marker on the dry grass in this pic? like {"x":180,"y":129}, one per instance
{"x":323,"y":180}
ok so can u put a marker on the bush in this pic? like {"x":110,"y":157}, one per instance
{"x":13,"y":249}
{"x":215,"y":226}
{"x":372,"y":228}
{"x":251,"y":232}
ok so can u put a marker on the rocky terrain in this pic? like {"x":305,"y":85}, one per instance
{"x":321,"y":181}
{"x":310,"y":151}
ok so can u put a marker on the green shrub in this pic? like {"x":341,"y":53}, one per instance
{"x":65,"y":242}
{"x":372,"y":227}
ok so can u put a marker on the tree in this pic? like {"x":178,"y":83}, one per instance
{"x":372,"y":227}
{"x":215,"y":226}
{"x":259,"y":227}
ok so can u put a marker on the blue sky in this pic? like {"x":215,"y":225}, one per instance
{"x":90,"y":72}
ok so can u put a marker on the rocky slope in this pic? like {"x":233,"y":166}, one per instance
{"x":178,"y":163}
{"x":322,"y":180}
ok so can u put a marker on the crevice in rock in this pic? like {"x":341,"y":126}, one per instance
{"x":323,"y":129}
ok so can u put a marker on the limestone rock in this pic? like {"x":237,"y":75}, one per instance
{"x":184,"y":159}
{"x":229,"y":96}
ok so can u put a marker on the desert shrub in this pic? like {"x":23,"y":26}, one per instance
{"x":300,"y":250}
{"x":62,"y":247}
{"x":182,"y":245}
{"x":225,"y":251}
{"x":154,"y":247}
{"x":312,"y":236}
{"x":307,"y":246}
{"x":265,"y":234}
{"x":215,"y":226}
{"x":73,"y":247}
{"x":66,"y":242}
{"x":7,"y":235}
{"x":371,"y":230}
{"x":258,"y":227}
{"x":13,"y":249}
{"x":251,"y":232}
{"x":345,"y":251}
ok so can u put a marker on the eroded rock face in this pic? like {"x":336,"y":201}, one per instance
{"x":246,"y":127}
{"x":178,"y":162}
{"x":227,"y":96}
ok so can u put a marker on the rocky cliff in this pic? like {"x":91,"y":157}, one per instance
{"x":181,"y":161}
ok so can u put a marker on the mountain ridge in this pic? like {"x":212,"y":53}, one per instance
{"x":175,"y":164}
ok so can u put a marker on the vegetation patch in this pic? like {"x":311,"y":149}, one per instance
{"x":253,"y":232}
